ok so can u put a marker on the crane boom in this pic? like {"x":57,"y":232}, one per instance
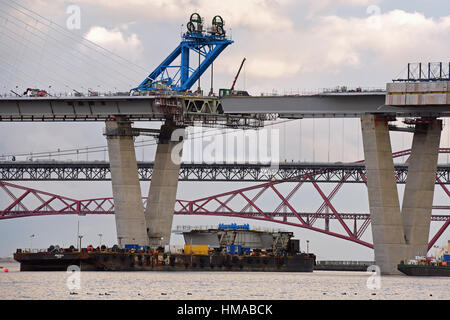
{"x":237,"y":75}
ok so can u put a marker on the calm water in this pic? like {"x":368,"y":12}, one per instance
{"x":217,"y":285}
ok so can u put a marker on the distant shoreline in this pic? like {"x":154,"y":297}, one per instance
{"x":7,"y":260}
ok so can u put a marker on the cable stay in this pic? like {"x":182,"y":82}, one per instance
{"x":59,"y":51}
{"x":63,"y":31}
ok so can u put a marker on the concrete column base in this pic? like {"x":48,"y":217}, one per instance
{"x":387,"y":228}
{"x":163,"y":190}
{"x":128,"y":206}
{"x":419,"y":189}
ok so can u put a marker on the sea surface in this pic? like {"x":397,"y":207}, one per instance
{"x":216,"y":285}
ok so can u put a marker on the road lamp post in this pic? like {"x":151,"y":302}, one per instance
{"x":80,"y":237}
{"x":100,"y":236}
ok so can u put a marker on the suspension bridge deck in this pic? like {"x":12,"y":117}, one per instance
{"x":145,"y":108}
{"x":328,"y":105}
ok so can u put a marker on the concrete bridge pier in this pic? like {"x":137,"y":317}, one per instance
{"x":419,"y":189}
{"x":164,"y":186}
{"x":129,"y":209}
{"x":387,"y":228}
{"x":400,"y":235}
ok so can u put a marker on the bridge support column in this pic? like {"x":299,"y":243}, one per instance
{"x":129,"y":209}
{"x":386,"y":220}
{"x":419,"y":189}
{"x":163,"y":189}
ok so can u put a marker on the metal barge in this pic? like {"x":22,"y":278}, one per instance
{"x":227,"y":248}
{"x":145,"y":261}
{"x":424,"y":270}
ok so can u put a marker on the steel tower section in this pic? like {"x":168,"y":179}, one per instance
{"x":208,"y":44}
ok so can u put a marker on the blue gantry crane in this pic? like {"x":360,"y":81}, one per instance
{"x":205,"y":43}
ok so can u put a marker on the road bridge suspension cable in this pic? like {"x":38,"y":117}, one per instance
{"x":58,"y":57}
{"x":30,"y":46}
{"x":141,"y":144}
{"x":51,"y":24}
{"x":34,"y":29}
{"x":46,"y":40}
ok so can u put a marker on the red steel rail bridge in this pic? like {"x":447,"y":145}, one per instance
{"x":241,"y":203}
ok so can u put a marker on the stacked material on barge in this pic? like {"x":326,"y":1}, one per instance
{"x":438,"y":266}
{"x":227,"y":249}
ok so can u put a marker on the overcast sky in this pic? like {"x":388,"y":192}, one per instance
{"x":289,"y":45}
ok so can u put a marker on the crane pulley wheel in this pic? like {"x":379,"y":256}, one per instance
{"x":220,"y":30}
{"x":195,"y":18}
{"x":190,"y":27}
{"x":217,"y":21}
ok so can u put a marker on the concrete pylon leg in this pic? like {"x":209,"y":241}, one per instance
{"x":163,"y":189}
{"x":128,"y":206}
{"x":419,"y":189}
{"x":386,"y":220}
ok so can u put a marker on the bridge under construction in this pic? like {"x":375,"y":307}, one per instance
{"x":399,"y":232}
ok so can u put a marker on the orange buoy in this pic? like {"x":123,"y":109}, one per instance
{"x":6,"y":270}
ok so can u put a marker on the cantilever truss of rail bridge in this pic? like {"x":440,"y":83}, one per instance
{"x":241,"y":203}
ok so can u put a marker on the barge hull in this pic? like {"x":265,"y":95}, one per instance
{"x":163,"y":262}
{"x":424,"y":271}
